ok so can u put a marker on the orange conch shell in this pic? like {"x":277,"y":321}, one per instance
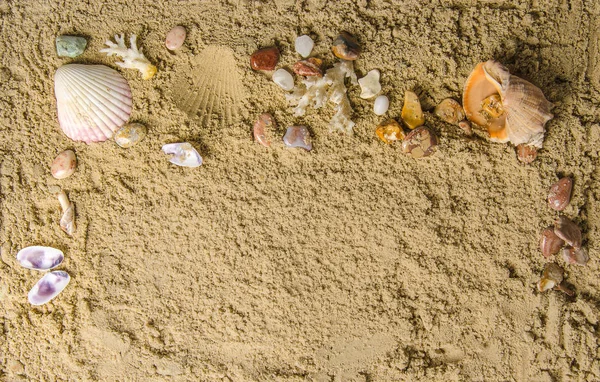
{"x":523,"y":111}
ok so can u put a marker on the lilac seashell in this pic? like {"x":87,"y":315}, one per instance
{"x":183,"y":154}
{"x":40,"y":258}
{"x":297,"y":136}
{"x":48,"y":287}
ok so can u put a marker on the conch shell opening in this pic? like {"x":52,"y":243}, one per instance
{"x":512,"y":109}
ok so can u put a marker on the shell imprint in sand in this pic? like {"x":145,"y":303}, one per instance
{"x":212,"y":86}
{"x":93,"y":101}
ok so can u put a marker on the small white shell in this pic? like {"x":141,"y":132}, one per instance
{"x":370,"y":85}
{"x":297,"y":136}
{"x":48,"y":287}
{"x":382,"y":103}
{"x":40,"y":258}
{"x":93,"y":101}
{"x":304,"y":45}
{"x":184,"y":154}
{"x":284,"y":79}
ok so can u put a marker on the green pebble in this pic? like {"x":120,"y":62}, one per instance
{"x":70,"y":46}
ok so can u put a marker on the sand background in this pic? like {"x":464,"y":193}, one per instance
{"x":348,"y":263}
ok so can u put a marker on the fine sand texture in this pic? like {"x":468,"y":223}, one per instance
{"x":352,"y":262}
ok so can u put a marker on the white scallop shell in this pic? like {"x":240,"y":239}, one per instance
{"x":40,"y":258}
{"x":93,"y":101}
{"x":48,"y":287}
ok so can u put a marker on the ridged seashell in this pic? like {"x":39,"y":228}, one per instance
{"x":40,"y":258}
{"x":265,"y":121}
{"x":183,"y":154}
{"x":48,"y":287}
{"x":297,"y":136}
{"x":559,"y":195}
{"x":412,"y":114}
{"x":212,"y":86}
{"x":550,"y":244}
{"x":511,"y":108}
{"x":568,"y":231}
{"x":450,"y":111}
{"x":93,"y":101}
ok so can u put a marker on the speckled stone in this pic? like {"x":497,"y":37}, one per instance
{"x":70,"y":46}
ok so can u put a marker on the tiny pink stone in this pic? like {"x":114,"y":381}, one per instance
{"x":175,"y":38}
{"x":297,"y":136}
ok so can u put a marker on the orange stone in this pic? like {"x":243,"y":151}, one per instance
{"x":390,"y":131}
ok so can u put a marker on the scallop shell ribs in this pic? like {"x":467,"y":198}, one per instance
{"x":93,"y":101}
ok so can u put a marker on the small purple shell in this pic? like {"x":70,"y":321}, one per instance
{"x":297,"y":136}
{"x":48,"y":287}
{"x":40,"y":258}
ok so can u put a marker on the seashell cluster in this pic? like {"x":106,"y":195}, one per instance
{"x":512,"y":109}
{"x":132,"y":57}
{"x":42,"y":258}
{"x":92,"y":101}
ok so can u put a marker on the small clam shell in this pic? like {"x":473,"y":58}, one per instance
{"x":390,"y":131}
{"x":93,"y":101}
{"x":450,"y":111}
{"x":184,"y":154}
{"x":412,"y":114}
{"x":420,"y":143}
{"x":550,"y":244}
{"x":64,"y":165}
{"x":552,"y":276}
{"x":297,"y":136}
{"x":568,"y":231}
{"x":577,"y":256}
{"x":559,"y":195}
{"x":346,"y":47}
{"x":522,"y":112}
{"x":130,"y":134}
{"x":265,"y":121}
{"x":40,"y":258}
{"x":48,"y":287}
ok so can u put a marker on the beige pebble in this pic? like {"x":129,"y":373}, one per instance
{"x":175,"y":38}
{"x":130,"y":134}
{"x":64,"y":165}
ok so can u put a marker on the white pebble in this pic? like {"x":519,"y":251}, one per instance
{"x":369,"y":84}
{"x":382,"y":103}
{"x":284,"y":79}
{"x":304,"y":45}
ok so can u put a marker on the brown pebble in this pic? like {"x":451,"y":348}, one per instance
{"x":550,"y":244}
{"x":526,"y":154}
{"x":64,"y":165}
{"x":309,"y":67}
{"x":560,"y":194}
{"x":265,"y":59}
{"x":346,"y":47}
{"x":466,"y":127}
{"x":576,"y":256}
{"x":568,"y":231}
{"x":175,"y":38}
{"x":420,"y":143}
{"x":265,"y":121}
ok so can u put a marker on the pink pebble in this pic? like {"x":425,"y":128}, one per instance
{"x":175,"y":38}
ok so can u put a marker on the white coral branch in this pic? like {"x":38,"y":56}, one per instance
{"x":316,"y":91}
{"x":132,"y":57}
